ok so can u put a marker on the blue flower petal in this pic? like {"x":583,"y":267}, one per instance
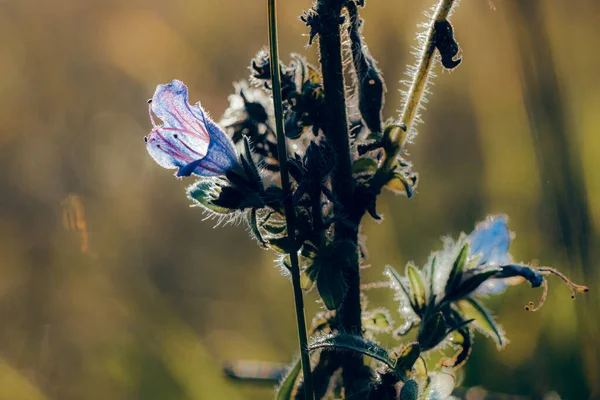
{"x":490,"y":241}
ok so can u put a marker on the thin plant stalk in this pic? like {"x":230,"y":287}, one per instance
{"x":416,"y":92}
{"x":290,"y":215}
{"x":423,"y":68}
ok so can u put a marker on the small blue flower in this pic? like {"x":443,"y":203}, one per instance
{"x":490,"y":241}
{"x":188,"y":139}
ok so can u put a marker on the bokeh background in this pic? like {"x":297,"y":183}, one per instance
{"x":111,"y":287}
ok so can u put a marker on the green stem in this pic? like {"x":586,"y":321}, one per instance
{"x":424,"y":65}
{"x":414,"y":97}
{"x":290,"y":215}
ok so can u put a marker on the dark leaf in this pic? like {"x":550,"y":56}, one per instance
{"x":432,"y":331}
{"x":331,"y":285}
{"x":457,"y":270}
{"x":352,"y":343}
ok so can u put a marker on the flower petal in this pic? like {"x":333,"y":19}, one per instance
{"x":219,"y":158}
{"x":170,"y":104}
{"x":490,"y":241}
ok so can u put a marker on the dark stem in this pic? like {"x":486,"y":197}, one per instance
{"x":336,"y":132}
{"x":290,"y":215}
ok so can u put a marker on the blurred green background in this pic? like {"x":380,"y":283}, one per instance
{"x":111,"y":287}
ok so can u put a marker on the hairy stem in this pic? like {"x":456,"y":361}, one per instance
{"x":290,"y":214}
{"x":423,"y":68}
{"x":418,"y":88}
{"x":336,"y":132}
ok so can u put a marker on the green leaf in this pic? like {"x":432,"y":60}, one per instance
{"x":378,"y":320}
{"x":286,"y":388}
{"x":406,"y":359}
{"x":457,"y":269}
{"x":364,"y":166}
{"x":353,"y":343}
{"x":398,"y":285}
{"x":400,"y":185}
{"x":330,"y":262}
{"x":203,"y":193}
{"x":417,"y":285}
{"x":308,"y":276}
{"x":332,"y":286}
{"x":432,"y":331}
{"x":252,"y":222}
{"x":484,"y":322}
{"x":410,"y":390}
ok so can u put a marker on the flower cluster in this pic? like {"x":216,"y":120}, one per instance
{"x":443,"y":298}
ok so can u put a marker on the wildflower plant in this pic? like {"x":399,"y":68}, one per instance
{"x":302,"y":161}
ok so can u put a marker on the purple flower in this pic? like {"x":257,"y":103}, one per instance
{"x":188,"y":139}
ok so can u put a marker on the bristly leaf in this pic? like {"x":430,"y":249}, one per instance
{"x":308,"y":277}
{"x":417,"y":285}
{"x":330,"y":263}
{"x":364,"y":166}
{"x":286,"y":388}
{"x":457,"y":269}
{"x":410,"y":390}
{"x":248,"y":162}
{"x":352,"y":343}
{"x":403,"y":293}
{"x":472,"y":309}
{"x":252,"y":222}
{"x":400,"y":184}
{"x":406,"y":359}
{"x":432,"y":331}
{"x":331,"y":285}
